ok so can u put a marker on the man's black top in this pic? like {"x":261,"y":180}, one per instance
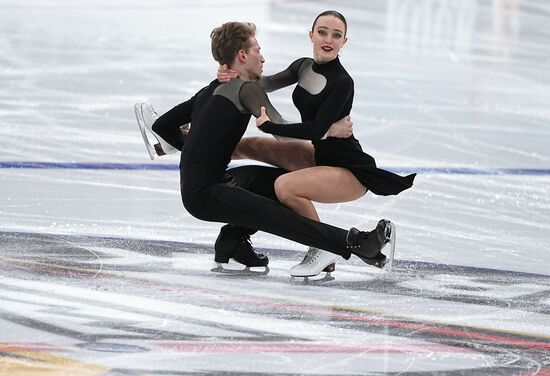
{"x":219,"y":114}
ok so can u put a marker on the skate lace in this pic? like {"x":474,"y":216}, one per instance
{"x":154,"y":114}
{"x":310,"y":257}
{"x":246,"y":241}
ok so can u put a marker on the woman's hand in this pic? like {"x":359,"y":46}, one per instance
{"x":343,"y":128}
{"x":262,"y":118}
{"x":225,"y":74}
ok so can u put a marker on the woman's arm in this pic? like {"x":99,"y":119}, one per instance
{"x":269,"y":83}
{"x":329,"y":112}
{"x":282,"y":79}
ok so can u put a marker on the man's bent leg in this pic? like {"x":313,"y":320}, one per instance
{"x":225,"y":202}
{"x":232,"y":204}
{"x":234,"y":241}
{"x":288,"y":155}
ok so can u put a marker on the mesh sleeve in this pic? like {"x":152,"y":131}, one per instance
{"x":253,"y":97}
{"x":282,"y":79}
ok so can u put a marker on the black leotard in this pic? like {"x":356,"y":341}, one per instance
{"x":244,"y":196}
{"x":324,"y":95}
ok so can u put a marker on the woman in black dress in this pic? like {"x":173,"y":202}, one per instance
{"x":343,"y":171}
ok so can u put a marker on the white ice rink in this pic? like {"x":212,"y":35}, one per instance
{"x":103,"y":272}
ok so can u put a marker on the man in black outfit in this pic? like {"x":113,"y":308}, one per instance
{"x":244,"y":197}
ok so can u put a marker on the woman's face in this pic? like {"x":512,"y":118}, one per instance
{"x":328,"y":37}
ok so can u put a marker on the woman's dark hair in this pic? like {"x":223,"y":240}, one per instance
{"x":335,"y":14}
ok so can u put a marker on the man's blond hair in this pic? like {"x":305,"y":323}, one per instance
{"x":229,"y":39}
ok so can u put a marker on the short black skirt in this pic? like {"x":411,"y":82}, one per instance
{"x":347,"y":153}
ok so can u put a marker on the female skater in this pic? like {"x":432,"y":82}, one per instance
{"x":342,"y":171}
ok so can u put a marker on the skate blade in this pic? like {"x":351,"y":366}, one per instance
{"x":143,"y":130}
{"x":308,"y":281}
{"x":240,"y":272}
{"x":389,"y":260}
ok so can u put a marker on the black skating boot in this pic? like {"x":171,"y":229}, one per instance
{"x":234,"y":243}
{"x":367,"y":245}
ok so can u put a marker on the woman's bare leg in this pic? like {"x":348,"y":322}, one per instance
{"x":305,"y":183}
{"x":323,"y":184}
{"x":288,"y":155}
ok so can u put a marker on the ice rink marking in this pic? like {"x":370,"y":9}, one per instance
{"x":174,"y":167}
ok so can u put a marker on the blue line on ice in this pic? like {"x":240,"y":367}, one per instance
{"x":174,"y":167}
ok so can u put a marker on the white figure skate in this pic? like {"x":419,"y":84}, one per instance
{"x":315,"y":262}
{"x":146,"y":117}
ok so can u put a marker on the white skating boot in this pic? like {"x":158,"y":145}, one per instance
{"x":315,"y":262}
{"x":146,"y":117}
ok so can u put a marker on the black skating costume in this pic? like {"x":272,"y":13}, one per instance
{"x":243,"y":196}
{"x":324,"y":95}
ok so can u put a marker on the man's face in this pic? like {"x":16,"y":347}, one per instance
{"x":254,"y":60}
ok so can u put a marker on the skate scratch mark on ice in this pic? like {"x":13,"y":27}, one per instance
{"x":14,"y":262}
{"x":357,"y":314}
{"x":342,"y":312}
{"x":81,"y":247}
{"x":317,"y":347}
{"x":175,"y":167}
{"x":423,"y":327}
{"x":434,"y":326}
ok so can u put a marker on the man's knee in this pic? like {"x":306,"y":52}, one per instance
{"x":246,"y":148}
{"x":196,"y":208}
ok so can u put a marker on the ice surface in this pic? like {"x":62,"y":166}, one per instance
{"x":457,"y":90}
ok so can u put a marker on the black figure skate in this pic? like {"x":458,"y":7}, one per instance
{"x":367,"y":245}
{"x":234,"y":243}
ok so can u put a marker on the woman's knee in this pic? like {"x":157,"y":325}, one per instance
{"x":284,"y":189}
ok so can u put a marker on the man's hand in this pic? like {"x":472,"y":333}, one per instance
{"x":185,"y":129}
{"x":263,"y":117}
{"x":225,"y":74}
{"x":343,"y":128}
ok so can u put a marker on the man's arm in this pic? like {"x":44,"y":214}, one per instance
{"x":168,"y":126}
